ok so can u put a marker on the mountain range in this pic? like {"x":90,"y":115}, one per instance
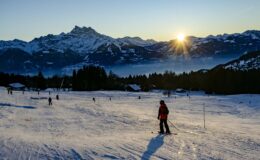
{"x":87,"y":46}
{"x":250,"y":61}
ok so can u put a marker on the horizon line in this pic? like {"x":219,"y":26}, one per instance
{"x":105,"y":34}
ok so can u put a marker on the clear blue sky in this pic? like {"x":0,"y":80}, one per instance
{"x":157,"y":19}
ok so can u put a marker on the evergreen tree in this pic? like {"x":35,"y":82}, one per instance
{"x":41,"y":83}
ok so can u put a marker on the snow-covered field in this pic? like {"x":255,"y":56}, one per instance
{"x":76,"y":128}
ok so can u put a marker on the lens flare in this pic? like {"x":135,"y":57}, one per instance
{"x":181,"y":45}
{"x":181,"y":37}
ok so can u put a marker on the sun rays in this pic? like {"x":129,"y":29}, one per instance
{"x":180,"y":45}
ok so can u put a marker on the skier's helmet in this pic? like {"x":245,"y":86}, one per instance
{"x":161,"y":101}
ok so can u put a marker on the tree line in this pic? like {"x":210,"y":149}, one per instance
{"x":220,"y":81}
{"x":89,"y":78}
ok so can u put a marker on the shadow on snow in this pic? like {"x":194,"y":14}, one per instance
{"x":16,"y":106}
{"x":154,"y":144}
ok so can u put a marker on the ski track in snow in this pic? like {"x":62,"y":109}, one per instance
{"x":76,"y":128}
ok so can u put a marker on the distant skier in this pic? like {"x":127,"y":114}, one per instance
{"x":57,"y":97}
{"x":94,"y":100}
{"x":139,"y":97}
{"x":109,"y":98}
{"x":50,"y":101}
{"x":168,"y":93}
{"x":162,"y":116}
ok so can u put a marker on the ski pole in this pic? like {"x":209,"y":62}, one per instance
{"x":61,"y":85}
{"x":173,"y":125}
{"x":182,"y":130}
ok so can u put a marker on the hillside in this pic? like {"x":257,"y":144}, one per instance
{"x":76,"y":128}
{"x":247,"y":61}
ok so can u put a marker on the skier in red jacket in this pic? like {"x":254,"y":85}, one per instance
{"x":162,"y":116}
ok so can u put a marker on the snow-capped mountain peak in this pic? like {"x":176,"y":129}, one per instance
{"x":254,"y":34}
{"x":136,"y":41}
{"x":83,"y":31}
{"x":247,"y":61}
{"x":88,"y":46}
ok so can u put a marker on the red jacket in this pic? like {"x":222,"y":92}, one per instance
{"x":163,"y":112}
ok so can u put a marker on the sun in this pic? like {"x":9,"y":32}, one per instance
{"x":180,"y":44}
{"x":181,"y":37}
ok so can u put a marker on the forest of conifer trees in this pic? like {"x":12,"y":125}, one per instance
{"x":89,"y":78}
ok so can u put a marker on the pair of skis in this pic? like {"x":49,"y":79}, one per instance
{"x":166,"y":134}
{"x":169,"y":133}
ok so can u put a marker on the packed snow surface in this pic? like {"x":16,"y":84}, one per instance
{"x":75,"y":127}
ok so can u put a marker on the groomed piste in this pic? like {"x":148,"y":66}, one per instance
{"x":75,"y":127}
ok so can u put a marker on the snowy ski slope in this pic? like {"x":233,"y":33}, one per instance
{"x":76,"y":128}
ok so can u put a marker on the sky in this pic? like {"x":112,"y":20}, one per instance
{"x":161,"y":20}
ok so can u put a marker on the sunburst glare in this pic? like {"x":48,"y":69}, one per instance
{"x":181,"y":37}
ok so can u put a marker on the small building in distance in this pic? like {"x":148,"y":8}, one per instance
{"x":180,"y":90}
{"x":17,"y":86}
{"x":133,"y":87}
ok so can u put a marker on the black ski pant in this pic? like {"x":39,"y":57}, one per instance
{"x":164,"y":121}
